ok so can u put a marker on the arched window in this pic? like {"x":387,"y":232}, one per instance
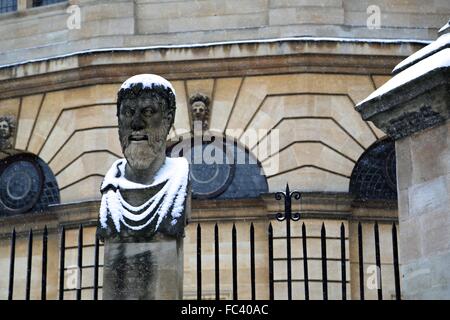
{"x":221,"y":169}
{"x":26,"y":185}
{"x":374,"y":175}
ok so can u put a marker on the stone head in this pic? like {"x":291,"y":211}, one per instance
{"x":199,"y":110}
{"x":199,"y":107}
{"x":145,"y":111}
{"x":5,"y":132}
{"x":7,"y":126}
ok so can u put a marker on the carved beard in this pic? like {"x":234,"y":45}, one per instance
{"x":141,"y":155}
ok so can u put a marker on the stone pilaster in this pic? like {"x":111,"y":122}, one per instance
{"x":416,"y":113}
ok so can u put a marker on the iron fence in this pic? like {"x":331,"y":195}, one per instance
{"x":287,"y":216}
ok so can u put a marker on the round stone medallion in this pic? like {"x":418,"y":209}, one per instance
{"x":213,"y":173}
{"x":21,"y":183}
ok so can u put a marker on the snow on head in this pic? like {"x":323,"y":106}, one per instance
{"x":148,"y":81}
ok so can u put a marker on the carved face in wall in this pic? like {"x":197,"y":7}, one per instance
{"x":5,"y":131}
{"x":144,"y":123}
{"x":199,"y":110}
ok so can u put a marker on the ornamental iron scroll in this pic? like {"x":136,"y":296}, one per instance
{"x":287,"y":216}
{"x":287,"y":196}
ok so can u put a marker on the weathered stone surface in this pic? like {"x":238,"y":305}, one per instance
{"x":151,"y":270}
{"x":427,"y":278}
{"x":415,"y":106}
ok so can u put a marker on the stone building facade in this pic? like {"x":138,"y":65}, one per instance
{"x":290,"y":70}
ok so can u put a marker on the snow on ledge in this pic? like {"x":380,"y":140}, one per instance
{"x":438,"y":60}
{"x":445,"y":27}
{"x":441,"y":43}
{"x":221,"y":43}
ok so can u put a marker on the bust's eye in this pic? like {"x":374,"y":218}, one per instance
{"x":128,"y":112}
{"x":148,"y":112}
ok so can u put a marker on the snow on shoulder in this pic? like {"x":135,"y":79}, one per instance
{"x":168,"y":202}
{"x":147,"y":80}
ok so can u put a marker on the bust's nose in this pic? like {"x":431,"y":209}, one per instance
{"x":137,"y":123}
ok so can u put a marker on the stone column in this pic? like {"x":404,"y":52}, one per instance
{"x":151,"y":270}
{"x":414,"y":108}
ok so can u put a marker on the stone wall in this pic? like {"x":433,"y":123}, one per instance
{"x":424,"y":189}
{"x":66,"y":115}
{"x":42,"y":32}
{"x":321,"y":136}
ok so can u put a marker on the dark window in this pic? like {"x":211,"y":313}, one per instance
{"x":374,"y":176}
{"x":38,"y":3}
{"x":26,"y":185}
{"x":8,"y":5}
{"x":238,"y":175}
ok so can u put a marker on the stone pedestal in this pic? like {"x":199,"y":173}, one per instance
{"x":416,"y":114}
{"x":150,"y":270}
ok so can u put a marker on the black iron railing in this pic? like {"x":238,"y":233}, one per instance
{"x":287,"y":217}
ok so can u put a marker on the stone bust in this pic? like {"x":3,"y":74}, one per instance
{"x":7,"y":126}
{"x":146,"y":194}
{"x":200,"y":109}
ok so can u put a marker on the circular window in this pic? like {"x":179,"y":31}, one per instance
{"x":213,"y":179}
{"x":21,"y":183}
{"x":220,"y":168}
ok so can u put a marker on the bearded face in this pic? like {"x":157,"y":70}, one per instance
{"x":144,"y":124}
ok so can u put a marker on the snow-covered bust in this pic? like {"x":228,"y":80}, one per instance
{"x":145,"y":194}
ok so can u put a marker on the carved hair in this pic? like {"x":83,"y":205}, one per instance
{"x":137,"y":89}
{"x":199,"y":97}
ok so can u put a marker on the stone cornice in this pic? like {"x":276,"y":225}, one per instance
{"x":413,"y":107}
{"x":227,"y":60}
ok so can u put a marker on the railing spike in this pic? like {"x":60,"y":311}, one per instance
{"x":234,"y":262}
{"x":217,"y":261}
{"x":12,"y":264}
{"x":199,"y":262}
{"x":44,"y":264}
